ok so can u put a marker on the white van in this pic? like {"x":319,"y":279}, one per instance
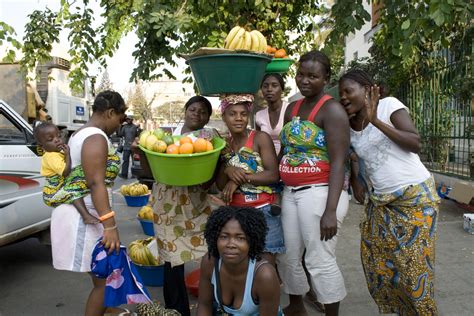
{"x":22,"y":211}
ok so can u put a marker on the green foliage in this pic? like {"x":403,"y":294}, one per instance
{"x":167,"y":28}
{"x":412,"y":39}
{"x":347,"y":16}
{"x":7,"y":35}
{"x":412,"y":31}
{"x":41,"y":32}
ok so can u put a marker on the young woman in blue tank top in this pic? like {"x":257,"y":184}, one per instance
{"x":233,"y":278}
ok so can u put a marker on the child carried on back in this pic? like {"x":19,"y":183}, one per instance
{"x":56,"y":167}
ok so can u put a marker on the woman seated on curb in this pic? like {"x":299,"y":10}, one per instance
{"x":233,"y":277}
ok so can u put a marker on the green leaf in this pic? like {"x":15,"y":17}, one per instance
{"x":405,"y":24}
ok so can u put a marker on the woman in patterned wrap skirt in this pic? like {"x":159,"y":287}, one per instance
{"x":399,"y":231}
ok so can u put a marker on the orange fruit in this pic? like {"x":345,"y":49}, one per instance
{"x":172,"y":149}
{"x":280,"y":53}
{"x":186,"y":148}
{"x":273,"y":50}
{"x":184,"y":140}
{"x":209,"y":146}
{"x":269,"y":49}
{"x":200,"y":145}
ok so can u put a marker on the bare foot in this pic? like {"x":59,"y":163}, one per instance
{"x":89,"y":219}
{"x":295,"y":310}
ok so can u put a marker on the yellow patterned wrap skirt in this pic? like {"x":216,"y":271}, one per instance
{"x":398,"y":249}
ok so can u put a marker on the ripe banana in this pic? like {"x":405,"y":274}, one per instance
{"x":255,"y":41}
{"x":151,"y":259}
{"x":237,"y":40}
{"x":134,"y":189}
{"x":247,"y":41}
{"x":231,"y":36}
{"x":146,"y":212}
{"x":140,"y":254}
{"x":263,"y":42}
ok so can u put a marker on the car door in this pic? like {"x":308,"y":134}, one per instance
{"x":22,"y":211}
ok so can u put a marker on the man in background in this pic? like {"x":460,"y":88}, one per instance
{"x":128,"y":132}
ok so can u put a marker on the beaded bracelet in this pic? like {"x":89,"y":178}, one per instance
{"x":107,"y":216}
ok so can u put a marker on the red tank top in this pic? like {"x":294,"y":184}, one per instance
{"x":307,"y":172}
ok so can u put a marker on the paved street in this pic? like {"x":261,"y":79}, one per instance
{"x":30,"y":286}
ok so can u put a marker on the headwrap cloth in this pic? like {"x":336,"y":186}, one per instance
{"x":232,"y":99}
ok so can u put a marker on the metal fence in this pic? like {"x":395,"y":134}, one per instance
{"x":442,"y":112}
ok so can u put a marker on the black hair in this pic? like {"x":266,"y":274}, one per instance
{"x":250,"y":219}
{"x":358,"y":75}
{"x":320,"y":57}
{"x":277,"y":76}
{"x":41,"y":127}
{"x":199,"y":99}
{"x":109,"y":99}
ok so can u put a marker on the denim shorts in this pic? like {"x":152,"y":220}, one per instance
{"x":274,"y":241}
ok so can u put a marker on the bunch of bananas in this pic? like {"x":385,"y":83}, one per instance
{"x":239,"y":38}
{"x":146,"y":212}
{"x":134,"y":189}
{"x":140,"y":254}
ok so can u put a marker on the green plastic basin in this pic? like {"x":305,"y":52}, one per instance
{"x":186,"y":169}
{"x":228,"y":73}
{"x":280,"y":65}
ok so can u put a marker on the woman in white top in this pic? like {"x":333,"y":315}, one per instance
{"x":94,"y":160}
{"x":270,"y":119}
{"x":399,"y":231}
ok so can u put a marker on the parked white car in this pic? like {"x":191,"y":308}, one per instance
{"x":22,"y":211}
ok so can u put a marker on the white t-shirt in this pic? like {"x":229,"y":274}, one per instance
{"x":388,"y":166}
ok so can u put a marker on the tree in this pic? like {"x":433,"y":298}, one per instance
{"x":8,"y":35}
{"x":171,"y":111}
{"x":139,"y":103}
{"x":412,"y":33}
{"x":105,"y":83}
{"x":167,"y":28}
